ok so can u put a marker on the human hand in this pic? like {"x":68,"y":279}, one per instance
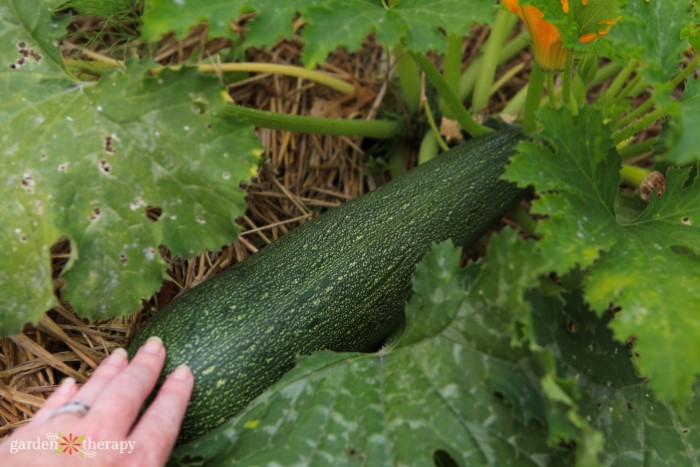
{"x":104,"y":435}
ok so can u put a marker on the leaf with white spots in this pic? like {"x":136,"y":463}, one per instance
{"x":329,"y":24}
{"x":649,"y":266}
{"x":637,"y":428}
{"x":453,"y":384}
{"x":119,"y":167}
{"x":445,"y":386}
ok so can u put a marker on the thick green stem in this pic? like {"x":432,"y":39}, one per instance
{"x":634,"y":150}
{"x":409,"y":79}
{"x":516,"y":103}
{"x":502,"y":27}
{"x":633,"y":175}
{"x":288,"y":70}
{"x":452,"y":69}
{"x":619,"y":81}
{"x":510,"y":50}
{"x":627,"y":90}
{"x":635,"y":114}
{"x":639,"y":125}
{"x":568,"y":98}
{"x":605,"y":73}
{"x":465,"y":120}
{"x":250,"y":67}
{"x":534,"y":97}
{"x":549,"y":79}
{"x":649,"y":103}
{"x":378,"y":129}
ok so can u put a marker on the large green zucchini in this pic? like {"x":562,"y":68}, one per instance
{"x":339,"y":282}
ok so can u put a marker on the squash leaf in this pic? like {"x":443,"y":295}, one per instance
{"x":648,"y":267}
{"x":91,"y":160}
{"x":682,"y":131}
{"x":453,"y":386}
{"x":328,"y":24}
{"x":638,"y":429}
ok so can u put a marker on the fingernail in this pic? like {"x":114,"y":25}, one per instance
{"x":153,"y":345}
{"x":118,"y":356}
{"x":182,"y":373}
{"x":66,"y":386}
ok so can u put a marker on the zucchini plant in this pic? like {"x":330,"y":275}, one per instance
{"x":574,"y":341}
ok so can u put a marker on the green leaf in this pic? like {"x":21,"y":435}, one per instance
{"x":637,"y":428}
{"x":653,"y":32}
{"x":649,"y":267}
{"x":329,"y":24}
{"x":683,"y":130}
{"x":86,"y":160}
{"x":103,"y":8}
{"x":439,"y":389}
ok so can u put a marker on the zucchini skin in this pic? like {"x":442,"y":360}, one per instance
{"x":339,"y":282}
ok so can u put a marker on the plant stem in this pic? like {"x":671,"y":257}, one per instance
{"x":604,"y":73}
{"x":619,"y":81}
{"x":630,"y":117}
{"x":503,"y":80}
{"x":465,"y":120}
{"x":549,"y":78}
{"x":568,"y":98}
{"x":633,"y":150}
{"x":633,"y":175}
{"x":510,"y":50}
{"x":649,"y":103}
{"x":433,"y":126}
{"x":515,"y":104}
{"x":533,"y":99}
{"x":288,"y":70}
{"x":627,"y":89}
{"x":378,"y":129}
{"x":452,"y":69}
{"x":639,"y":125}
{"x":500,"y":30}
{"x":409,"y":79}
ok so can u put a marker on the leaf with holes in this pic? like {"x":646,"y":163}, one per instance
{"x":682,"y":132}
{"x":91,"y":161}
{"x":328,"y":24}
{"x":637,"y":428}
{"x":649,"y":266}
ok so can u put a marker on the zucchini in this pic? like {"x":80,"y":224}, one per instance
{"x":338,"y":282}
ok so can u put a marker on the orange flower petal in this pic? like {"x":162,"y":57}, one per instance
{"x":512,"y":6}
{"x":547,"y":40}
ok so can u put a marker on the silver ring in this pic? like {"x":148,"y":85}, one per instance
{"x":72,"y":407}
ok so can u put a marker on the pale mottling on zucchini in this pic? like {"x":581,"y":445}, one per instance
{"x":275,"y":305}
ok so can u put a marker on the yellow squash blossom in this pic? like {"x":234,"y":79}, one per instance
{"x":547,"y":41}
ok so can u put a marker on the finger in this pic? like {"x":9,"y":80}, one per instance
{"x":60,"y":396}
{"x":105,"y":372}
{"x":121,"y":400}
{"x":160,"y":424}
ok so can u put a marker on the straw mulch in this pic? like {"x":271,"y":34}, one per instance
{"x":305,"y":174}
